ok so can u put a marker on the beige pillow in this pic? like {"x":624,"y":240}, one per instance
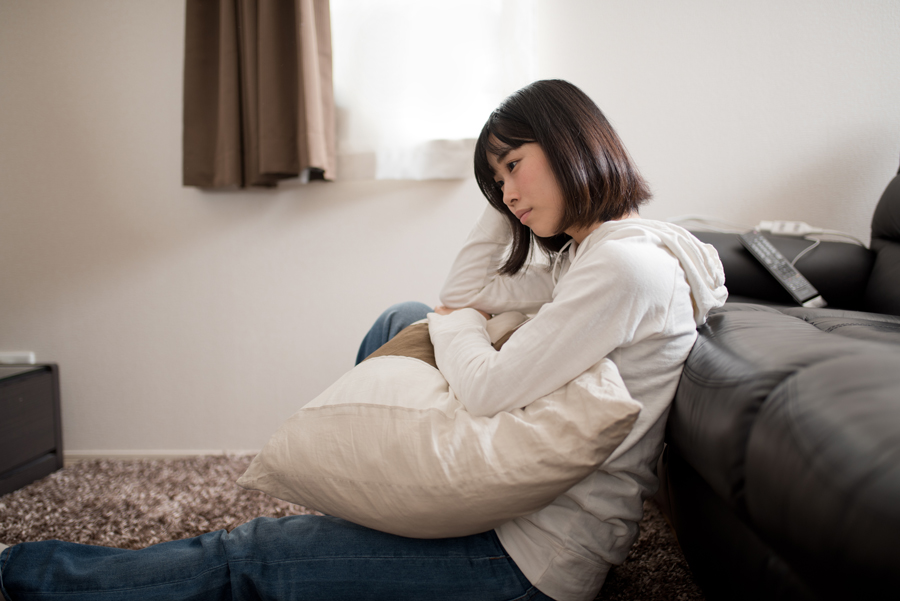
{"x":389,"y":446}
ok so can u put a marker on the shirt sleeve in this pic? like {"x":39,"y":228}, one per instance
{"x":610,"y":299}
{"x":474,"y":282}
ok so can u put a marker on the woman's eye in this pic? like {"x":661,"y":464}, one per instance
{"x":511,"y":165}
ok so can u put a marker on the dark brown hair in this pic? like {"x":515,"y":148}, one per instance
{"x":598,"y":180}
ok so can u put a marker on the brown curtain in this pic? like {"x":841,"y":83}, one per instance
{"x":258,"y":95}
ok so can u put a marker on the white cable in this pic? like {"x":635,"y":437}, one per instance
{"x":843,"y":235}
{"x":801,"y":229}
{"x":805,"y":250}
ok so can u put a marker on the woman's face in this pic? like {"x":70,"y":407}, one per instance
{"x":529,"y":186}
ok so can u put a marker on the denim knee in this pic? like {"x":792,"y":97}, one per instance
{"x":403,"y":314}
{"x":389,"y":324}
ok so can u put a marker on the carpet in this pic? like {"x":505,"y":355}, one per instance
{"x":132,"y":504}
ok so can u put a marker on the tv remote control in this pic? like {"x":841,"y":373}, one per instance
{"x":775,"y":263}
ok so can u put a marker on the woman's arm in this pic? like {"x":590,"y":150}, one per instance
{"x":617,"y":295}
{"x":474,"y":282}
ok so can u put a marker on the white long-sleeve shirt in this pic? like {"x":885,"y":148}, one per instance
{"x":634,"y":291}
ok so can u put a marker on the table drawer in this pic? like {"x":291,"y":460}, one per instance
{"x":28,"y":428}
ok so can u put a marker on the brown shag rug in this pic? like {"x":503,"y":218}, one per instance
{"x":132,"y":504}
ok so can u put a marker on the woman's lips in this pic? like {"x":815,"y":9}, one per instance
{"x":523,"y":215}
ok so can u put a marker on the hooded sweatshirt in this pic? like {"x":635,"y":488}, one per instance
{"x":634,"y":291}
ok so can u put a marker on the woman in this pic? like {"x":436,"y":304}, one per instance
{"x":616,"y":285}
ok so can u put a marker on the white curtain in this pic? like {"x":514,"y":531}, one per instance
{"x":415,"y":81}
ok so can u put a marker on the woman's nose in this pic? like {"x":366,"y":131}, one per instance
{"x":509,"y":195}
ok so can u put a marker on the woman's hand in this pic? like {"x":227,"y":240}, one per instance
{"x":442,"y":310}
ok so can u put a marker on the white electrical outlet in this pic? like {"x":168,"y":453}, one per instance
{"x":16,"y":357}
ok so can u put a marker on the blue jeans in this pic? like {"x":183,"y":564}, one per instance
{"x":296,"y":557}
{"x":389,"y":324}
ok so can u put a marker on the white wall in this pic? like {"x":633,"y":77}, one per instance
{"x":762,"y":109}
{"x":188,"y":320}
{"x":181,"y":319}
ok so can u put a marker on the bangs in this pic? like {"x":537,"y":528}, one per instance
{"x":499,"y":135}
{"x":496,"y":145}
{"x":502,"y":134}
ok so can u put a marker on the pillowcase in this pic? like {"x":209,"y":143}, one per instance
{"x":390,"y":447}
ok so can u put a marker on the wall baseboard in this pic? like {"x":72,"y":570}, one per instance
{"x":70,"y":457}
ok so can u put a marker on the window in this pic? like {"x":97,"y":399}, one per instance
{"x":415,"y":80}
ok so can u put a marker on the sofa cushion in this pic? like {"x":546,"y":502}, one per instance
{"x":823,"y":472}
{"x":742,"y":354}
{"x":839,"y":271}
{"x":853,"y":324}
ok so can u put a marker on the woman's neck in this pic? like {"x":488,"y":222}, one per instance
{"x":580,"y":233}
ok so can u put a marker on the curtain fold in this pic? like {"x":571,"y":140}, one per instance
{"x":258,"y":93}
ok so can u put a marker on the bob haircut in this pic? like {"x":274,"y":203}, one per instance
{"x":597,"y":178}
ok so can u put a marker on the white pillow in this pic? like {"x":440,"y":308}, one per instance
{"x":390,"y":447}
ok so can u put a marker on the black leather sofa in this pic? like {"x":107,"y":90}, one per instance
{"x":781,"y":473}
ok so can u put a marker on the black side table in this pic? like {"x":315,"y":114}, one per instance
{"x":30,"y":425}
